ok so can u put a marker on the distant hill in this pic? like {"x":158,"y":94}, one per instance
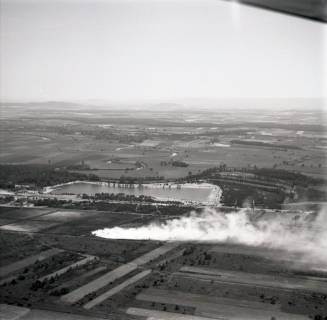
{"x":53,"y":104}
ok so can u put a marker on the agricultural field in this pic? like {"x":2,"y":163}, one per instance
{"x":126,"y":256}
{"x":163,"y":160}
{"x":114,"y":144}
{"x":67,"y":269}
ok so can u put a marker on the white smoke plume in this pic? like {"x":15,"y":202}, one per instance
{"x":304,"y":233}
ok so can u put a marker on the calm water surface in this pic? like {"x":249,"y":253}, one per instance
{"x":201,"y":193}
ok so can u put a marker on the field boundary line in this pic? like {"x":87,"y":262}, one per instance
{"x":15,"y":266}
{"x":117,"y":289}
{"x":74,"y":265}
{"x":156,"y":315}
{"x":117,"y":273}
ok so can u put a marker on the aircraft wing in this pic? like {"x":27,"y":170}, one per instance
{"x":311,"y":9}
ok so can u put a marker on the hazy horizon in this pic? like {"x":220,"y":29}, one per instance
{"x":196,"y":104}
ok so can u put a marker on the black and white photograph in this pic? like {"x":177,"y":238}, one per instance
{"x":163,"y":159}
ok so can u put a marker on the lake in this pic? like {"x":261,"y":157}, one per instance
{"x":200,"y":193}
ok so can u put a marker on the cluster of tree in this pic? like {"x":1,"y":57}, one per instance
{"x":312,"y":194}
{"x":175,"y":163}
{"x":291,"y":177}
{"x":266,"y":144}
{"x":179,"y":164}
{"x":37,"y":285}
{"x":205,"y":174}
{"x":6,"y":199}
{"x":226,"y":132}
{"x":260,"y":174}
{"x":81,"y":166}
{"x":166,"y":209}
{"x":242,"y":195}
{"x":116,"y":136}
{"x":38,"y":175}
{"x":139,"y":180}
{"x":119,"y":197}
{"x":53,"y":203}
{"x":189,"y":250}
{"x":140,"y":164}
{"x":236,"y":193}
{"x":59,"y":292}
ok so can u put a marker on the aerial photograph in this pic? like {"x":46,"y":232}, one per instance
{"x":163,"y":159}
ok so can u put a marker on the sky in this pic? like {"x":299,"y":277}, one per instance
{"x":129,"y":50}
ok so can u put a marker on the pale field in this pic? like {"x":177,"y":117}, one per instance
{"x":9,"y":312}
{"x":196,"y":300}
{"x":29,"y":226}
{"x":81,"y":277}
{"x":217,"y":307}
{"x":66,"y":215}
{"x":273,"y":254}
{"x":161,"y":315}
{"x":263,"y":280}
{"x":117,"y":289}
{"x":115,"y":274}
{"x":215,"y":312}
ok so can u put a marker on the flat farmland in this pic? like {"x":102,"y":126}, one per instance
{"x":266,"y":253}
{"x":288,"y":283}
{"x":67,"y":229}
{"x":116,"y":289}
{"x":199,"y":301}
{"x":51,"y":261}
{"x":217,"y":308}
{"x":29,"y":226}
{"x":79,"y":277}
{"x":206,"y":156}
{"x":67,"y":215}
{"x":112,"y":145}
{"x":10,"y":312}
{"x":32,"y":147}
{"x":182,"y":284}
{"x":35,"y":219}
{"x":96,"y":221}
{"x":23,"y":213}
{"x":80,"y":263}
{"x":5,"y":221}
{"x":63,"y":221}
{"x":115,"y":251}
{"x":17,"y":246}
{"x":115,"y":274}
{"x":156,"y":315}
{"x":13,"y":267}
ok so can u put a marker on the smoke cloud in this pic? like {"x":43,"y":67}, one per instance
{"x":304,"y":233}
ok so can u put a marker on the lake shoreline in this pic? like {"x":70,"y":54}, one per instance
{"x":212,"y":199}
